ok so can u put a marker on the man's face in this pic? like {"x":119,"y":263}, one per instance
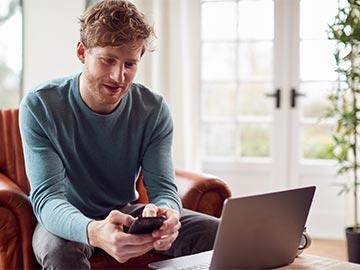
{"x":108,"y":73}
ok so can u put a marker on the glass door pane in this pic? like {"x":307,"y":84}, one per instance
{"x":317,"y":77}
{"x":237,"y":72}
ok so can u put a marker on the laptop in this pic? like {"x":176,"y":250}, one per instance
{"x":255,"y":232}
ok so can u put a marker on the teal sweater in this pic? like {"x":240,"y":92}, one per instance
{"x":81,"y":164}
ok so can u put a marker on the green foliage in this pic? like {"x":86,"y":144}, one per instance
{"x":319,"y":151}
{"x":345,"y":99}
{"x":12,"y":7}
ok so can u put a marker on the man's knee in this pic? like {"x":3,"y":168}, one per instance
{"x":197,"y":233}
{"x":53,"y":252}
{"x":204,"y":236}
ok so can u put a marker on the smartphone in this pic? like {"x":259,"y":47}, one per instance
{"x":143,"y":225}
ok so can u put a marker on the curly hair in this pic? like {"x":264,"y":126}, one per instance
{"x":114,"y":23}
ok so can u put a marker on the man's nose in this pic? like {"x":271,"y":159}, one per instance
{"x":118,"y":73}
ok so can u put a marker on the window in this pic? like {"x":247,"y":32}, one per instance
{"x":317,"y":76}
{"x":10,"y":53}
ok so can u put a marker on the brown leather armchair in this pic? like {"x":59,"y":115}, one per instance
{"x":200,"y":192}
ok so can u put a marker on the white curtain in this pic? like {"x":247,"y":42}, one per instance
{"x":173,"y":70}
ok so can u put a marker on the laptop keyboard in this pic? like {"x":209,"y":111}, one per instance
{"x":203,"y":266}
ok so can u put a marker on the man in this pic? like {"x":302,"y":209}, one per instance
{"x":85,"y":139}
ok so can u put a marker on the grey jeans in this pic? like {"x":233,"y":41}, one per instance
{"x":197,"y":234}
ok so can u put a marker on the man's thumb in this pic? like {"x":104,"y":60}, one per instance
{"x":119,"y":218}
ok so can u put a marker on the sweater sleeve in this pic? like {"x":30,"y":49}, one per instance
{"x":159,"y":176}
{"x":48,"y":178}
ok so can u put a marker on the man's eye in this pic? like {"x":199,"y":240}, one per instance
{"x":109,"y":61}
{"x":129,"y":64}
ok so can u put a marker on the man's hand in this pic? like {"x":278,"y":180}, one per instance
{"x":108,"y":235}
{"x":169,"y":231}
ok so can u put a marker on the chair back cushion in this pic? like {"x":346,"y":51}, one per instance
{"x":140,"y":187}
{"x":11,"y":152}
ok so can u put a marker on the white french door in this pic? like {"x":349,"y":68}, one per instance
{"x":267,"y":68}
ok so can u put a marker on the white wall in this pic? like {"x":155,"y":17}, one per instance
{"x":173,"y":71}
{"x":51,"y":32}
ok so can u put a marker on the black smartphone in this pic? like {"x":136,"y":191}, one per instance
{"x":143,"y":225}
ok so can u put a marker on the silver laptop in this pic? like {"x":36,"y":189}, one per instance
{"x":255,"y":232}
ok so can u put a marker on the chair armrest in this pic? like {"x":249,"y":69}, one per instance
{"x":17,"y":223}
{"x":201,"y":192}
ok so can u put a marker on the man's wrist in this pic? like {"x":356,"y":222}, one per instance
{"x":91,"y":233}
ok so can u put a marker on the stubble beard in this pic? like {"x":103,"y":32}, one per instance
{"x":95,"y":92}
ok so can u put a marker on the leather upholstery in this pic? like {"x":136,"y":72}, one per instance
{"x":199,"y":192}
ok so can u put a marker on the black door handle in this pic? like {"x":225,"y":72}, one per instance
{"x":277,"y":96}
{"x":294,"y":94}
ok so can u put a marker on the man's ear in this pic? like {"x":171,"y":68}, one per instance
{"x":80,"y":51}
